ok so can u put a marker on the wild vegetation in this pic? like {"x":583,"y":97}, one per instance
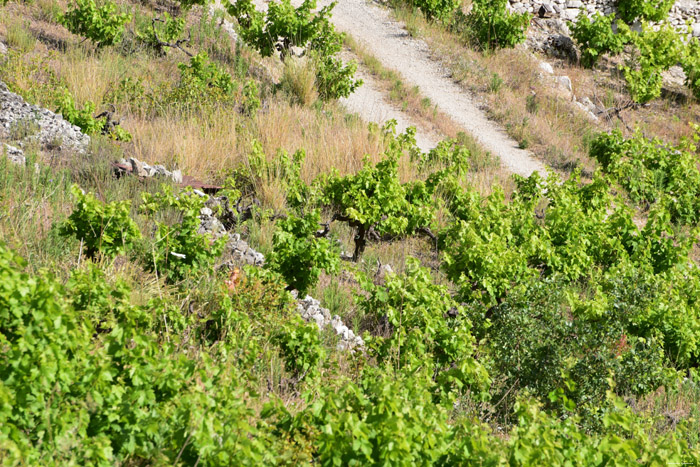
{"x":550,"y":320}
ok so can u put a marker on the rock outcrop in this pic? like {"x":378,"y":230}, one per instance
{"x":22,"y":122}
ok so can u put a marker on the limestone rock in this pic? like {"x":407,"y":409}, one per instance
{"x":47,"y":127}
{"x":14,"y":154}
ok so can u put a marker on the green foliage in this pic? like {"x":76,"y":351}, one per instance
{"x":652,"y":172}
{"x":441,"y":10}
{"x":166,"y":29}
{"x":449,"y":153}
{"x":644,"y":10}
{"x":179,"y":249}
{"x":78,"y":391}
{"x":251,"y":98}
{"x":494,"y":249}
{"x":202,"y":81}
{"x":690,"y":62}
{"x":83,"y":118}
{"x":373,"y":198}
{"x":106,"y":228}
{"x":658,"y":51}
{"x":561,"y":343}
{"x":595,"y":37}
{"x":299,"y":255}
{"x":301,"y":347}
{"x":425,"y":326}
{"x":490,"y":26}
{"x":101,"y":24}
{"x":333,"y":78}
{"x":284,"y":27}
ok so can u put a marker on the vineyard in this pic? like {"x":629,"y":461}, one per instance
{"x":468,"y":316}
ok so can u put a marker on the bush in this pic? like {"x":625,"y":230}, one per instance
{"x":425,"y":326}
{"x":300,"y":346}
{"x":202,"y":81}
{"x":596,"y":37}
{"x":644,"y":10}
{"x":658,"y":51}
{"x":106,"y":228}
{"x":299,"y":255}
{"x":441,"y":10}
{"x":373,"y":198}
{"x":652,"y":172}
{"x":563,"y":345}
{"x":179,"y":249}
{"x":166,"y":29}
{"x":101,"y":24}
{"x":691,"y":66}
{"x":490,"y":26}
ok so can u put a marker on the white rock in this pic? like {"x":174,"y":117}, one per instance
{"x":547,"y":68}
{"x":565,"y":83}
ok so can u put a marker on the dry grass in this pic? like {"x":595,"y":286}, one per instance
{"x":299,"y":81}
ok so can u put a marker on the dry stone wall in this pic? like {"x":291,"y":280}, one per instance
{"x":681,"y":12}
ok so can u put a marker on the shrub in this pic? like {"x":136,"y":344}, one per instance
{"x":373,"y":198}
{"x":441,"y":10}
{"x":166,"y":29}
{"x":202,"y":81}
{"x":101,"y":24}
{"x":106,"y":228}
{"x":658,"y":51}
{"x":596,"y":37}
{"x":651,"y":172}
{"x":84,"y":119}
{"x":561,"y":344}
{"x":490,"y":26}
{"x":179,"y":249}
{"x":299,"y":255}
{"x":645,"y":10}
{"x":690,"y":62}
{"x":425,"y":326}
{"x":300,"y":346}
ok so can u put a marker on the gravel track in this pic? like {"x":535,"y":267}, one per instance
{"x":389,"y":42}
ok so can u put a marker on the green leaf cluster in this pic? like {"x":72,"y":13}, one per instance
{"x":84,"y":119}
{"x":374,"y":198}
{"x":652,"y":172}
{"x":101,"y":24}
{"x":595,"y":37}
{"x":489,"y":25}
{"x":643,"y":10}
{"x":106,"y":228}
{"x":299,"y":255}
{"x":424,"y":326}
{"x":284,"y":27}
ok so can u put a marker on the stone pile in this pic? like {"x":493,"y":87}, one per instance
{"x":142,"y":169}
{"x":311,"y":310}
{"x":22,"y":121}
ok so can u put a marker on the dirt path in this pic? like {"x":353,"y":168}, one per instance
{"x":389,"y":42}
{"x":370,"y":104}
